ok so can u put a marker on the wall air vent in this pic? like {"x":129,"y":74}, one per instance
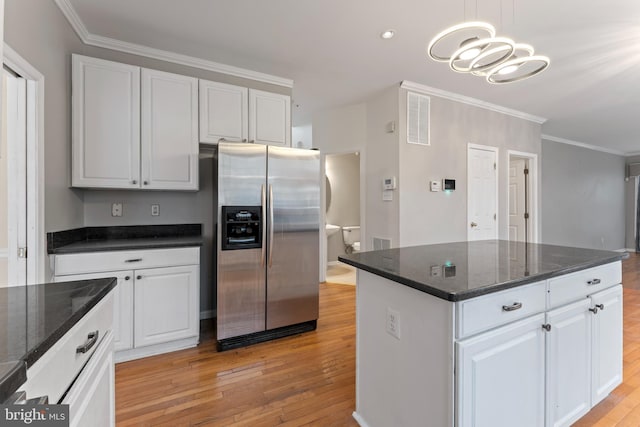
{"x":417,"y":119}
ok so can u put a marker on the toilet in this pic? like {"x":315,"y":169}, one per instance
{"x":351,"y":238}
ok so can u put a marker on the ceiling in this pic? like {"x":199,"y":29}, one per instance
{"x":333,"y":52}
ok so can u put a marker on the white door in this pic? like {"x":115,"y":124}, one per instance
{"x":500,"y":381}
{"x":607,"y":343}
{"x":13,"y":182}
{"x":223,"y":112}
{"x":517,"y":200}
{"x":482,"y":193}
{"x":169,"y":131}
{"x":166,"y":304}
{"x":106,"y":124}
{"x":122,"y":304}
{"x":269,"y":118}
{"x":568,"y":363}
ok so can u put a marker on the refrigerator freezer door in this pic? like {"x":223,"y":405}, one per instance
{"x":241,"y":176}
{"x":293,"y":237}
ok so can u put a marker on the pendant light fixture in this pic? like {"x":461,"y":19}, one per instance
{"x":472,"y":47}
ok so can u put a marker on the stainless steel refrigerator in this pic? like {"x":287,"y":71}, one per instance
{"x":268,"y":224}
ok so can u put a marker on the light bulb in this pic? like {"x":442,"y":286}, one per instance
{"x":470,"y":54}
{"x":507,"y":70}
{"x":387,"y":34}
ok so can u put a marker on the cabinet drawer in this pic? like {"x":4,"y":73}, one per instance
{"x":488,"y":311}
{"x":52,"y":374}
{"x":95,"y":262}
{"x":570,"y":287}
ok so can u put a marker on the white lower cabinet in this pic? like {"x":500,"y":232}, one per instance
{"x":156,"y":305}
{"x":91,"y":399}
{"x":165,"y":302}
{"x":501,"y":376}
{"x":548,"y":369}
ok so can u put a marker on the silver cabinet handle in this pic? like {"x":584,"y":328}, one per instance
{"x":263,"y":198}
{"x":513,"y":307}
{"x":271,"y":225}
{"x":232,"y":140}
{"x":92,"y":338}
{"x":133,"y":260}
{"x":145,"y":182}
{"x":138,"y":277}
{"x":594,"y":310}
{"x":473,"y":224}
{"x":127,"y":277}
{"x":546,"y":327}
{"x":600,"y":306}
{"x":593,"y":282}
{"x":134,"y":182}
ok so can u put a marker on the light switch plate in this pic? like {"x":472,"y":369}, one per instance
{"x":435,"y":185}
{"x":387,"y":195}
{"x":155,"y":210}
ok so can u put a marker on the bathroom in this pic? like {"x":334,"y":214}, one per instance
{"x":342,"y":214}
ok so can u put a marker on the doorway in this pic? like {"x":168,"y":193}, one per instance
{"x":482,"y":195}
{"x":21,"y":173}
{"x":342,"y":204}
{"x":522,"y":200}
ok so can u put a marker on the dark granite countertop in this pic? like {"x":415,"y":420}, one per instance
{"x":118,"y":238}
{"x":35,"y":317}
{"x":462,"y":270}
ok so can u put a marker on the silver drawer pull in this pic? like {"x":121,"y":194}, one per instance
{"x":546,"y":327}
{"x":92,"y":338}
{"x":600,"y":306}
{"x":513,"y":307}
{"x":133,"y":260}
{"x":593,"y":282}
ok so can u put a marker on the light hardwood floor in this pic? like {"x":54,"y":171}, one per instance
{"x":309,"y":379}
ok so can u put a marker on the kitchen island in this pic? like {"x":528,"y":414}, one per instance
{"x":486,"y":333}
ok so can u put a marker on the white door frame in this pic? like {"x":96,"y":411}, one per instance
{"x":496,"y":150}
{"x":533,"y":194}
{"x":36,"y":243}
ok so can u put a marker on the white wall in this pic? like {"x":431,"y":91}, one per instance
{"x":434,"y":217}
{"x":302,"y":136}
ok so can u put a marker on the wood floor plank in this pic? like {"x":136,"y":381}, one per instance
{"x":309,"y":379}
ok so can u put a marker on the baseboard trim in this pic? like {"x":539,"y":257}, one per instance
{"x":208,"y":314}
{"x":152,"y":350}
{"x":361,"y":422}
{"x":625,"y":250}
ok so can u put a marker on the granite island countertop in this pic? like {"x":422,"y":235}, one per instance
{"x":119,"y":238}
{"x":33,"y":318}
{"x":462,"y":270}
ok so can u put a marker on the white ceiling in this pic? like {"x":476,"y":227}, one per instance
{"x":333,"y":52}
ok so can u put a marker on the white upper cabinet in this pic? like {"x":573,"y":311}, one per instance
{"x":238,"y":114}
{"x":223,"y":112}
{"x":269,"y":118}
{"x":106,"y":124}
{"x":131,"y":132}
{"x":169,"y":131}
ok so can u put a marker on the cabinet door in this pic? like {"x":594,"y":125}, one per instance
{"x":269,"y":118}
{"x":223,"y":112}
{"x":607,"y":343}
{"x":169,"y":131}
{"x":568,"y":363}
{"x":122,"y":304}
{"x":500,"y":376}
{"x":106,"y":124}
{"x":167,"y":304}
{"x":91,"y":399}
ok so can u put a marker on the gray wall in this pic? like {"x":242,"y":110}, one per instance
{"x":39,"y":32}
{"x":583,"y":197}
{"x":433,"y":217}
{"x":343,"y":173}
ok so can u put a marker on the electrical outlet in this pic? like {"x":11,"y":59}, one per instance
{"x":393,"y":323}
{"x":155,"y":210}
{"x":116,"y":209}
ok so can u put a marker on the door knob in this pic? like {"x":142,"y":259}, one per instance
{"x":473,"y":224}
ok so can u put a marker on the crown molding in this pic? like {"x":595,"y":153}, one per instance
{"x":163,"y":55}
{"x":428,"y":90}
{"x":583,"y":145}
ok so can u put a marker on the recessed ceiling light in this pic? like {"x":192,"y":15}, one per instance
{"x":387,"y":34}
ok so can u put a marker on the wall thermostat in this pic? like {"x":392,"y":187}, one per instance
{"x":448,"y":184}
{"x":389,"y":183}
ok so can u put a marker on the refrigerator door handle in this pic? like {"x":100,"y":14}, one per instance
{"x":271,"y":225}
{"x":264,"y":225}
